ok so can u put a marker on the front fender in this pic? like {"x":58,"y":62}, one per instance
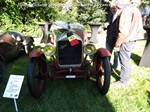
{"x":35,"y":53}
{"x":102,"y":52}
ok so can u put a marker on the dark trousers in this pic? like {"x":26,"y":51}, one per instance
{"x":116,"y":55}
{"x":124,"y":57}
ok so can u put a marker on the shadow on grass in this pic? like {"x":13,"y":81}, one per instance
{"x":136,"y":58}
{"x":61,"y":95}
{"x":148,"y":93}
{"x":148,"y":97}
{"x":76,"y":95}
{"x":115,"y":75}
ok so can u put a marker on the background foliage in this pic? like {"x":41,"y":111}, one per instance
{"x":23,"y":15}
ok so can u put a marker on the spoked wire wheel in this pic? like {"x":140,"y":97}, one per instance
{"x":102,"y":68}
{"x":36,"y":76}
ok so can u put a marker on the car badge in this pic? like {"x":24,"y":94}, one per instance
{"x":73,"y":40}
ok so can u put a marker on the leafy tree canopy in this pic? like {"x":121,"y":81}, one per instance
{"x":23,"y":15}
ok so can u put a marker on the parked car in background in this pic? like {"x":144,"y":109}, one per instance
{"x":12,"y":44}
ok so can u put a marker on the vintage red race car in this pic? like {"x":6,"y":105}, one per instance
{"x":70,"y":57}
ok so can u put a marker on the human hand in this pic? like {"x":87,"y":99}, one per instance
{"x":106,"y":24}
{"x":1,"y":41}
{"x":116,"y":49}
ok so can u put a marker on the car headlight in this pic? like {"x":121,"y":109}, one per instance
{"x":89,"y":49}
{"x":49,"y":49}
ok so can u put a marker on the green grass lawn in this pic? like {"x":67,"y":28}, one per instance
{"x":81,"y":95}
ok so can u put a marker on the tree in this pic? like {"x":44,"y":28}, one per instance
{"x":93,"y":11}
{"x":23,"y":14}
{"x":17,"y":14}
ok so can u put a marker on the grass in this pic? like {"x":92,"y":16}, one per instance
{"x":81,"y":95}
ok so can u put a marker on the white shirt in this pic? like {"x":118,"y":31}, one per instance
{"x":147,"y":10}
{"x":114,"y":17}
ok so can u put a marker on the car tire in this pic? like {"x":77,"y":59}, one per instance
{"x":102,"y":68}
{"x":36,"y":75}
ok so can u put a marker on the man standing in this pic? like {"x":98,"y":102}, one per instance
{"x":130,"y":28}
{"x":110,"y":25}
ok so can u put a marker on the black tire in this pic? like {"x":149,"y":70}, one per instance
{"x":1,"y":73}
{"x":103,"y":74}
{"x":36,"y":76}
{"x":29,"y":47}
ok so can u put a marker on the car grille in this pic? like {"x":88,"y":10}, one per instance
{"x":69,"y":55}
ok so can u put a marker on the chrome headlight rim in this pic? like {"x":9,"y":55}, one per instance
{"x":91,"y":47}
{"x":51,"y":47}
